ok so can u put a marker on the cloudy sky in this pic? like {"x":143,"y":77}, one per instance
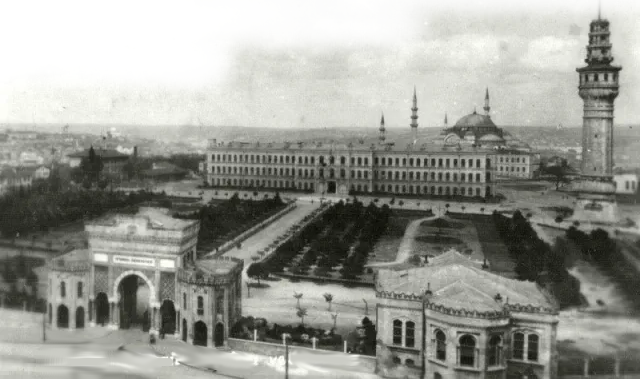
{"x":288,"y":63}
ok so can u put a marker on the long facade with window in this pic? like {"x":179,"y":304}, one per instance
{"x":459,"y":162}
{"x":331,"y":168}
{"x":452,"y":319}
{"x":140,"y":270}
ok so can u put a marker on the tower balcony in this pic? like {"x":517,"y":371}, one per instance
{"x":603,"y":91}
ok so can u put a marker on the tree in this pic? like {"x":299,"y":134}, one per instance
{"x":297,"y":296}
{"x":301,"y":313}
{"x":334,"y":317}
{"x":256,"y":271}
{"x":328,"y":298}
{"x":559,"y":172}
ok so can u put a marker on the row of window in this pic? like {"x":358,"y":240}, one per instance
{"x":200,"y":302}
{"x":63,"y":289}
{"x":517,"y":169}
{"x":355,"y":174}
{"x":286,"y":184}
{"x":513,"y":160}
{"x":597,"y":77}
{"x":524,"y":346}
{"x":355,"y":161}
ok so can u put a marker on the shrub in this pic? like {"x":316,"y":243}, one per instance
{"x":559,"y":219}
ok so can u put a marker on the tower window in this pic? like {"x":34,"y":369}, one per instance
{"x":606,"y":77}
{"x":586,"y":78}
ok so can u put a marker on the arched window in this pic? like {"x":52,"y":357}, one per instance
{"x":532,"y":348}
{"x":79,"y":290}
{"x":467,"y":351}
{"x":410,"y":334}
{"x":495,"y":351}
{"x":437,"y":375}
{"x":200,"y":306}
{"x":409,"y":362}
{"x":441,"y":345}
{"x":396,"y":360}
{"x":397,"y":332}
{"x":518,"y":345}
{"x":63,"y":289}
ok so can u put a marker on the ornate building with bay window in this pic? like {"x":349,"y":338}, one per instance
{"x":453,"y":319}
{"x":140,"y":270}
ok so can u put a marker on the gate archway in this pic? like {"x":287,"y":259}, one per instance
{"x":168,"y":317}
{"x":80,"y":317}
{"x":135,"y":293}
{"x":218,"y":336}
{"x":184,"y":330}
{"x":102,"y":309}
{"x":63,"y":316}
{"x":200,"y":334}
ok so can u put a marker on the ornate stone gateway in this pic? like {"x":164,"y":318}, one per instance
{"x":141,"y":272}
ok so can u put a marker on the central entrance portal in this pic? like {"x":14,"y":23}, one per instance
{"x":134,"y":296}
{"x":331,"y":187}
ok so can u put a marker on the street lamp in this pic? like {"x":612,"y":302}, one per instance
{"x":285,"y":338}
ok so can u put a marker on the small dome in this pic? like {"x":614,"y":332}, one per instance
{"x":474,"y":120}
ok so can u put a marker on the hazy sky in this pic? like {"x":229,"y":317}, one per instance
{"x":304,"y":63}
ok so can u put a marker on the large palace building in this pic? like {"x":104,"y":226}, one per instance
{"x":460,"y":162}
{"x":139,"y":270}
{"x":454,"y":319}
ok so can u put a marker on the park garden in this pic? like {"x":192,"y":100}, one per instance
{"x":335,"y":246}
{"x":222,"y":221}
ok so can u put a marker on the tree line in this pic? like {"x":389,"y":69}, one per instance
{"x":537,"y":261}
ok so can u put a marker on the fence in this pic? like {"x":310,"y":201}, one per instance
{"x":251,"y":231}
{"x":598,"y":367}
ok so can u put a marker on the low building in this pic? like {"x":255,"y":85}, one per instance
{"x":11,"y":178}
{"x":452,"y":318}
{"x":113,"y":160}
{"x":164,"y":172}
{"x":626,"y":183}
{"x":140,"y":270}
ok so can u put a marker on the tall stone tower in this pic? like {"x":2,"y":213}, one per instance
{"x":598,"y":89}
{"x":414,"y":117}
{"x":487,"y":108}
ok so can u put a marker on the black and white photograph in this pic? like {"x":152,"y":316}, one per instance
{"x":307,"y":189}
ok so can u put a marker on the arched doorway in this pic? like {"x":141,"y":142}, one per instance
{"x":200,"y":334}
{"x":134,"y":295}
{"x":168,"y":317}
{"x":63,"y":316}
{"x":184,"y":330}
{"x":80,"y":317}
{"x":218,"y":336}
{"x":102,"y":309}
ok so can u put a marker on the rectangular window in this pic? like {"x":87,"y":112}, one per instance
{"x":410,"y":334}
{"x":80,"y":290}
{"x":397,"y":332}
{"x":518,"y":346}
{"x":200,"y":306}
{"x":532,"y":348}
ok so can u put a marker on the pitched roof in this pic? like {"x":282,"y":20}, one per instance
{"x":457,"y":282}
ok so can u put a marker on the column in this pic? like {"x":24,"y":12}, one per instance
{"x":116,"y":314}
{"x":158,"y":320}
{"x":586,"y":367}
{"x":54,"y":316}
{"x":225,"y":316}
{"x":178,"y":333}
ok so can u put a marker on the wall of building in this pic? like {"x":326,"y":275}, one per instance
{"x":626,"y":183}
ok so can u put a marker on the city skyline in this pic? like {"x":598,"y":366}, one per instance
{"x":317,"y":65}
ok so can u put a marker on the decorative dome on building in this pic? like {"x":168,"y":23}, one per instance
{"x":474,"y":120}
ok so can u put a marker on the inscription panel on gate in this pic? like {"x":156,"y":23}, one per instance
{"x":135,"y":261}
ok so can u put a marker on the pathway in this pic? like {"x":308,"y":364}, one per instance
{"x":262,"y":239}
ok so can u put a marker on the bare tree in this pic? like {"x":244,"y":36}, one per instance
{"x":334,"y":317}
{"x":298,"y":296}
{"x":328,"y":298}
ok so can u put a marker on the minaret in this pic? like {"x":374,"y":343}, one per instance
{"x":598,"y":89}
{"x":414,"y":117}
{"x":446,"y":123}
{"x":486,"y":108}
{"x":382,"y":137}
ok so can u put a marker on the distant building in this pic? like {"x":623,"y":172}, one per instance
{"x":517,"y":164}
{"x":164,"y":172}
{"x":21,"y":135}
{"x":30,"y":158}
{"x":113,"y":161}
{"x":12,"y":178}
{"x":626,"y":183}
{"x":451,"y":318}
{"x":196,"y":300}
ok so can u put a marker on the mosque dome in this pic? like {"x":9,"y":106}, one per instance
{"x":474,"y":120}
